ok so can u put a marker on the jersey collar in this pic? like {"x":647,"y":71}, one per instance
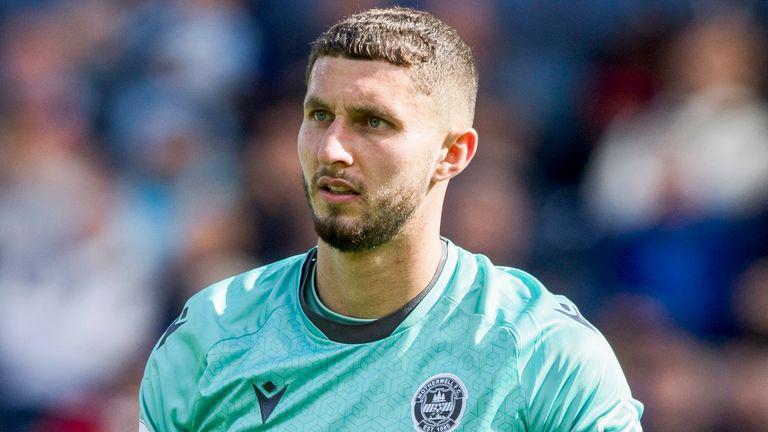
{"x":381,"y":328}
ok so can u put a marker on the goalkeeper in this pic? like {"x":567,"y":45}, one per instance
{"x":384,"y":325}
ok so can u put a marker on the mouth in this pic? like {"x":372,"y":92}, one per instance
{"x":336,"y":191}
{"x":337,"y":186}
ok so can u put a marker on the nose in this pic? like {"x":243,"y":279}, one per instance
{"x":334,"y":146}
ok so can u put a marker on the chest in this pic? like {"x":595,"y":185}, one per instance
{"x":431,"y":378}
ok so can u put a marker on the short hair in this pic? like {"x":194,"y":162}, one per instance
{"x":435,"y":53}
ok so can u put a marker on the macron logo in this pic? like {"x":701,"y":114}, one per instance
{"x":268,"y":395}
{"x":174,"y":326}
{"x":573,"y":313}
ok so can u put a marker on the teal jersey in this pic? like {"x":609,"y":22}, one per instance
{"x":484,"y":348}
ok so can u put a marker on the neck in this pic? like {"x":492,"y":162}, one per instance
{"x":377,"y":282}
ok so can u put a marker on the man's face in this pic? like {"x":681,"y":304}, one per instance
{"x":368,"y":147}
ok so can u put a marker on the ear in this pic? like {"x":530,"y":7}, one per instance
{"x":458,"y":150}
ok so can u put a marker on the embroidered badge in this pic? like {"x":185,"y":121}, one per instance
{"x":438,"y":404}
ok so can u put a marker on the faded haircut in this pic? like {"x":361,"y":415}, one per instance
{"x":438,"y":59}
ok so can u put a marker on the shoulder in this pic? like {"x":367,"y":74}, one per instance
{"x":240,"y":304}
{"x":510,"y":297}
{"x":568,"y":373}
{"x":228,"y":309}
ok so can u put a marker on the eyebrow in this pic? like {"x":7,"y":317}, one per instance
{"x":371,"y":109}
{"x":314,"y":102}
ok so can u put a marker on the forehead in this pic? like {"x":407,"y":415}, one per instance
{"x":341,"y":81}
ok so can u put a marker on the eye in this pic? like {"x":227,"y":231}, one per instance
{"x":376,"y":123}
{"x":321,"y":116}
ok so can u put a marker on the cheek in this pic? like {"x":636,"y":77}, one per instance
{"x":305,"y":149}
{"x":415,"y":159}
{"x":406,"y":170}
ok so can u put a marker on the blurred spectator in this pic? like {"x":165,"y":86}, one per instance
{"x":682,"y":382}
{"x":77,"y":299}
{"x":174,"y":131}
{"x":464,"y":16}
{"x":748,"y":354}
{"x":178,"y":165}
{"x":487,"y":211}
{"x":209,"y":49}
{"x":671,"y":185}
{"x":206,"y":49}
{"x":702,"y":149}
{"x":750,"y":299}
{"x":748,"y":406}
{"x":275,"y":193}
{"x":487,"y":207}
{"x":77,"y":302}
{"x":81,"y":246}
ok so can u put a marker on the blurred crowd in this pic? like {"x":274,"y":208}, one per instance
{"x":147,"y":149}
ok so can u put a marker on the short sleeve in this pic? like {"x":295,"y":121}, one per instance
{"x":168,"y":388}
{"x":571,"y":377}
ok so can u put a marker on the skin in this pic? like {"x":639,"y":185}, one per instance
{"x":367,"y":131}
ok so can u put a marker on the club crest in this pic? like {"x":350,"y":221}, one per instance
{"x":439,"y":403}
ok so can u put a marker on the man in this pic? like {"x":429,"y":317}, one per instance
{"x":384,"y":326}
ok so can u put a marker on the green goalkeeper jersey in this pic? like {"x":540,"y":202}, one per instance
{"x":483,"y":348}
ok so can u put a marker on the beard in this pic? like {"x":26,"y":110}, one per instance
{"x":384,"y":217}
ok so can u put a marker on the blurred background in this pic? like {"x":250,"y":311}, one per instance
{"x":147,"y":149}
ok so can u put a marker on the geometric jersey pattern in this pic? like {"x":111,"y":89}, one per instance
{"x":525,"y":365}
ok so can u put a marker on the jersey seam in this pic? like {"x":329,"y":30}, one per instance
{"x":513,"y":330}
{"x":205,"y":357}
{"x":250,"y":333}
{"x":204,"y":364}
{"x":511,"y":327}
{"x":537,"y":345}
{"x":258,"y":329}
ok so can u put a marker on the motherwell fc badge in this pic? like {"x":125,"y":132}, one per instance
{"x":438,"y":404}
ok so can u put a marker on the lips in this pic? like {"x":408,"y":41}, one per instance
{"x":337,"y":191}
{"x":337,"y":186}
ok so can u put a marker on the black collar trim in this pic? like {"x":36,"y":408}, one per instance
{"x":361,"y":333}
